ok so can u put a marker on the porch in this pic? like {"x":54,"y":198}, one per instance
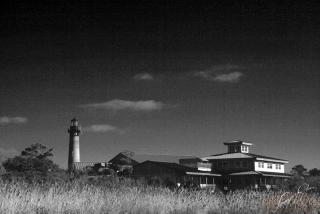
{"x":251,"y":180}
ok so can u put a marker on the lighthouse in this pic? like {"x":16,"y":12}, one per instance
{"x":74,"y":146}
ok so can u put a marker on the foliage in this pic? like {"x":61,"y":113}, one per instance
{"x":122,"y":166}
{"x":38,"y":151}
{"x":5,"y":155}
{"x":299,"y":170}
{"x":314,"y":183}
{"x":291,"y":184}
{"x":314,"y":172}
{"x":29,"y":164}
{"x":32,"y":165}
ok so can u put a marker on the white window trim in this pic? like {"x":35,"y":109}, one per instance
{"x":261,"y":164}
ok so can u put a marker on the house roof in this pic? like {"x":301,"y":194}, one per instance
{"x":241,"y":155}
{"x":159,"y":158}
{"x":228,"y":156}
{"x":271,"y":174}
{"x":246,"y":173}
{"x":237,"y":142}
{"x":275,"y":174}
{"x":265,"y":157}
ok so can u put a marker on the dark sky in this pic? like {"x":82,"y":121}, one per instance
{"x":162,"y":77}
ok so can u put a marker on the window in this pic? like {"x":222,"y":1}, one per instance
{"x":232,"y":181}
{"x":237,"y":149}
{"x":244,"y":164}
{"x":231,"y":148}
{"x":213,"y":165}
{"x":278,"y":166}
{"x":244,"y":148}
{"x":225,"y":165}
{"x":269,"y":166}
{"x":239,"y":181}
{"x":260,"y":164}
{"x":238,"y":164}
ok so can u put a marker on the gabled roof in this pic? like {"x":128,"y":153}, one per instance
{"x":159,"y":158}
{"x":242,"y":155}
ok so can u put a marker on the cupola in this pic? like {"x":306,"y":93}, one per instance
{"x":238,"y":146}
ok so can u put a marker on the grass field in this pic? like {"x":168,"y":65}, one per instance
{"x":128,"y":197}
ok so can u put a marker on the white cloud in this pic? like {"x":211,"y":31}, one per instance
{"x":231,"y":77}
{"x":149,"y":105}
{"x":143,"y":76}
{"x":102,"y":128}
{"x":222,"y":73}
{"x":13,"y":120}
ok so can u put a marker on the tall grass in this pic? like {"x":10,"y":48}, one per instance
{"x":131,"y":197}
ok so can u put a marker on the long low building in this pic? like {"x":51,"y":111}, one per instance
{"x":177,"y":173}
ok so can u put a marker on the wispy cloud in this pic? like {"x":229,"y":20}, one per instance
{"x":148,"y":105}
{"x":143,"y":76}
{"x":12,"y":120}
{"x":231,"y":77}
{"x":221,"y":73}
{"x":102,"y":128}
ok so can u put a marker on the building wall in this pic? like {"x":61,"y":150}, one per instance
{"x":232,"y":167}
{"x":266,"y":169}
{"x":149,"y":170}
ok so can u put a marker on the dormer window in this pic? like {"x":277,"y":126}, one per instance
{"x":231,"y":148}
{"x":237,"y":149}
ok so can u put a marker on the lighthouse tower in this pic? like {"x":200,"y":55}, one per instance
{"x":74,"y":146}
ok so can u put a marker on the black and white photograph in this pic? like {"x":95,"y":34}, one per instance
{"x":160,"y":106}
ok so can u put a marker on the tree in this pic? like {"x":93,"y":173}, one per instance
{"x":33,"y":163}
{"x":299,"y":170}
{"x":38,"y":151}
{"x":314,"y":172}
{"x":122,"y":166}
{"x":5,"y":155}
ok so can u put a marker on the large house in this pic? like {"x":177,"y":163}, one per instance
{"x":236,"y":169}
{"x":241,"y":169}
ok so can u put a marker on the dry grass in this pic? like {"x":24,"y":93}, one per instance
{"x":115,"y":197}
